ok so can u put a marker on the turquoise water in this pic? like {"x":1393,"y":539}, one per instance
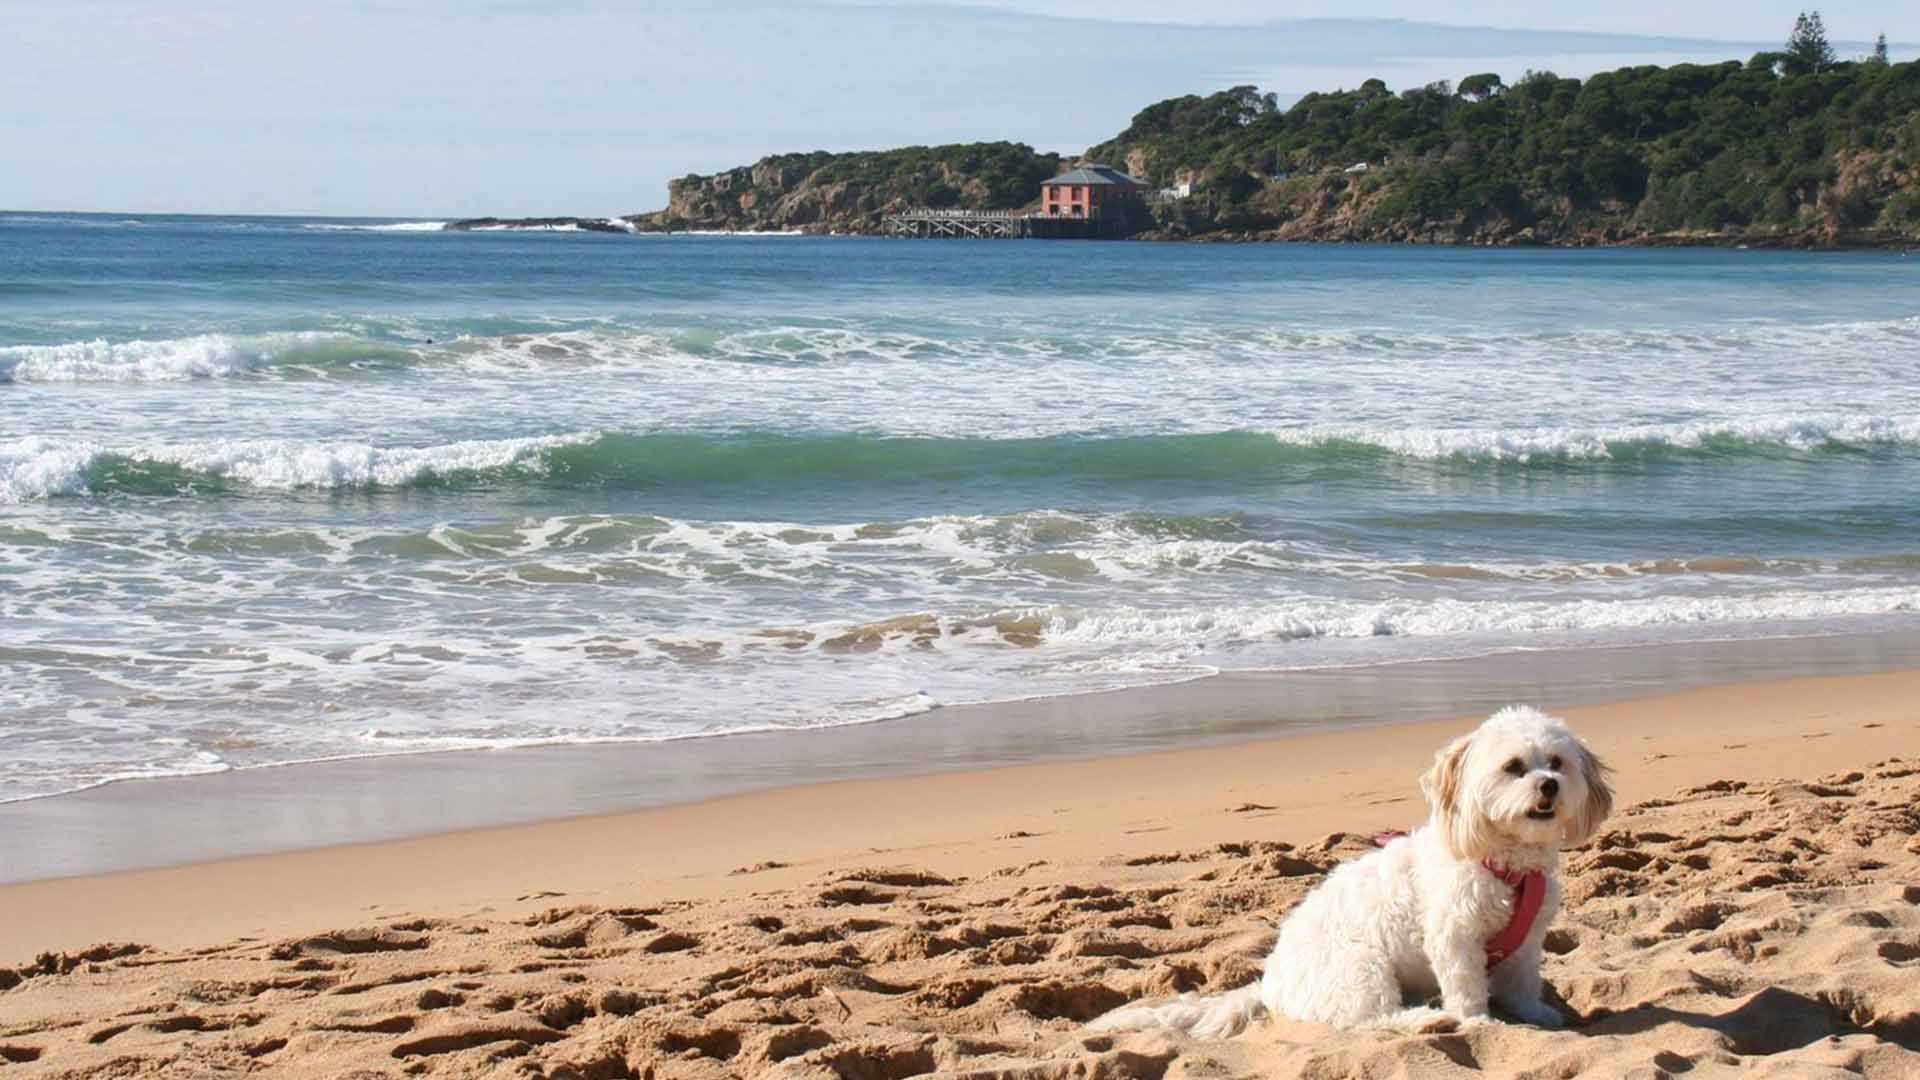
{"x":277,"y":489}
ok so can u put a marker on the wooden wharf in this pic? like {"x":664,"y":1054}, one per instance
{"x":1000,"y":225}
{"x":967,"y":224}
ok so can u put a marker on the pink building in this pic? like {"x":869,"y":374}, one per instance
{"x":1088,"y":191}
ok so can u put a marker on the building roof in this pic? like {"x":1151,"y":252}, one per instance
{"x":1094,"y":174}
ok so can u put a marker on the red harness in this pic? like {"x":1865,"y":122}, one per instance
{"x":1530,"y":892}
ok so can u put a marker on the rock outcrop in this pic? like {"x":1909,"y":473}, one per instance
{"x":851,"y":193}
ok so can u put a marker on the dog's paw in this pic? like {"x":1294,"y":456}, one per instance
{"x":1438,"y":1025}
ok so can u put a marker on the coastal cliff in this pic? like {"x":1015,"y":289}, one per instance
{"x":823,"y":192}
{"x":1766,"y":152}
{"x":850,"y":193}
{"x":1370,"y":208}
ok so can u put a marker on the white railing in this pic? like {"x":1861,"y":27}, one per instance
{"x":961,"y":215}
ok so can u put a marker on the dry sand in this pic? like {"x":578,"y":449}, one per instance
{"x":1754,"y":909}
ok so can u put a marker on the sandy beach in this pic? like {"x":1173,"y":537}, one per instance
{"x":464,"y":617}
{"x":1749,"y":910}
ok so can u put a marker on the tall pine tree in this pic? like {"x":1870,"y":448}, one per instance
{"x":1880,"y":50}
{"x":1807,"y":48}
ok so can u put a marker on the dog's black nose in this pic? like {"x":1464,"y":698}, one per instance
{"x":1549,"y":787}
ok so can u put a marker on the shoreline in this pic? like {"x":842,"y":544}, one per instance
{"x":151,"y":823}
{"x":966,"y":821}
{"x":154,"y":823}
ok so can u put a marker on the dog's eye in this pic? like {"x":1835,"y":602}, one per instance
{"x":1515,"y":768}
{"x":1554,"y":763}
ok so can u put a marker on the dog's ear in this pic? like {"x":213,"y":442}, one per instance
{"x":1442,"y":782}
{"x":1586,"y":818}
{"x":1442,"y":785}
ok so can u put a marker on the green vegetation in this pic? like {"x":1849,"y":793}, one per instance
{"x":1791,"y":146}
{"x":1004,"y":175}
{"x":851,"y":190}
{"x":1788,"y":140}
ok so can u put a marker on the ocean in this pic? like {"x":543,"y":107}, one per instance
{"x":279,"y":489}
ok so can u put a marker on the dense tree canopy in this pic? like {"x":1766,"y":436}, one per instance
{"x":1009,"y":173}
{"x":1689,"y":146}
{"x":1787,"y":142}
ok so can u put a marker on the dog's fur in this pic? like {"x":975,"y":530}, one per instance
{"x":1391,"y":931}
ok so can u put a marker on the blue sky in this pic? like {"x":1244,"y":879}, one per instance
{"x":441,"y":108}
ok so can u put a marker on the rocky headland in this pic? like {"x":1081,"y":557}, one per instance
{"x":1768,"y":152}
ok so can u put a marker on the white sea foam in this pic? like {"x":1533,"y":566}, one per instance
{"x":36,"y":467}
{"x":1055,"y":545}
{"x":1005,"y":377}
{"x":1443,"y":617}
{"x":562,"y":351}
{"x":772,"y":625}
{"x":1002,"y":377}
{"x":375,"y":742}
{"x":392,"y":227}
{"x":1121,"y":639}
{"x":204,"y":356}
{"x":277,"y":463}
{"x":1801,"y":433}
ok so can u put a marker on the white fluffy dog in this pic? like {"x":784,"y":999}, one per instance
{"x":1456,"y":910}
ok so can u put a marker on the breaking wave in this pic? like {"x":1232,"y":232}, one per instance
{"x":1760,"y":435}
{"x":37,"y":467}
{"x":203,"y":357}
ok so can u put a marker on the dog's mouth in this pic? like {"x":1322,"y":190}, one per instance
{"x":1541,"y":815}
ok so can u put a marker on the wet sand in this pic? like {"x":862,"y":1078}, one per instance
{"x":161,"y":823}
